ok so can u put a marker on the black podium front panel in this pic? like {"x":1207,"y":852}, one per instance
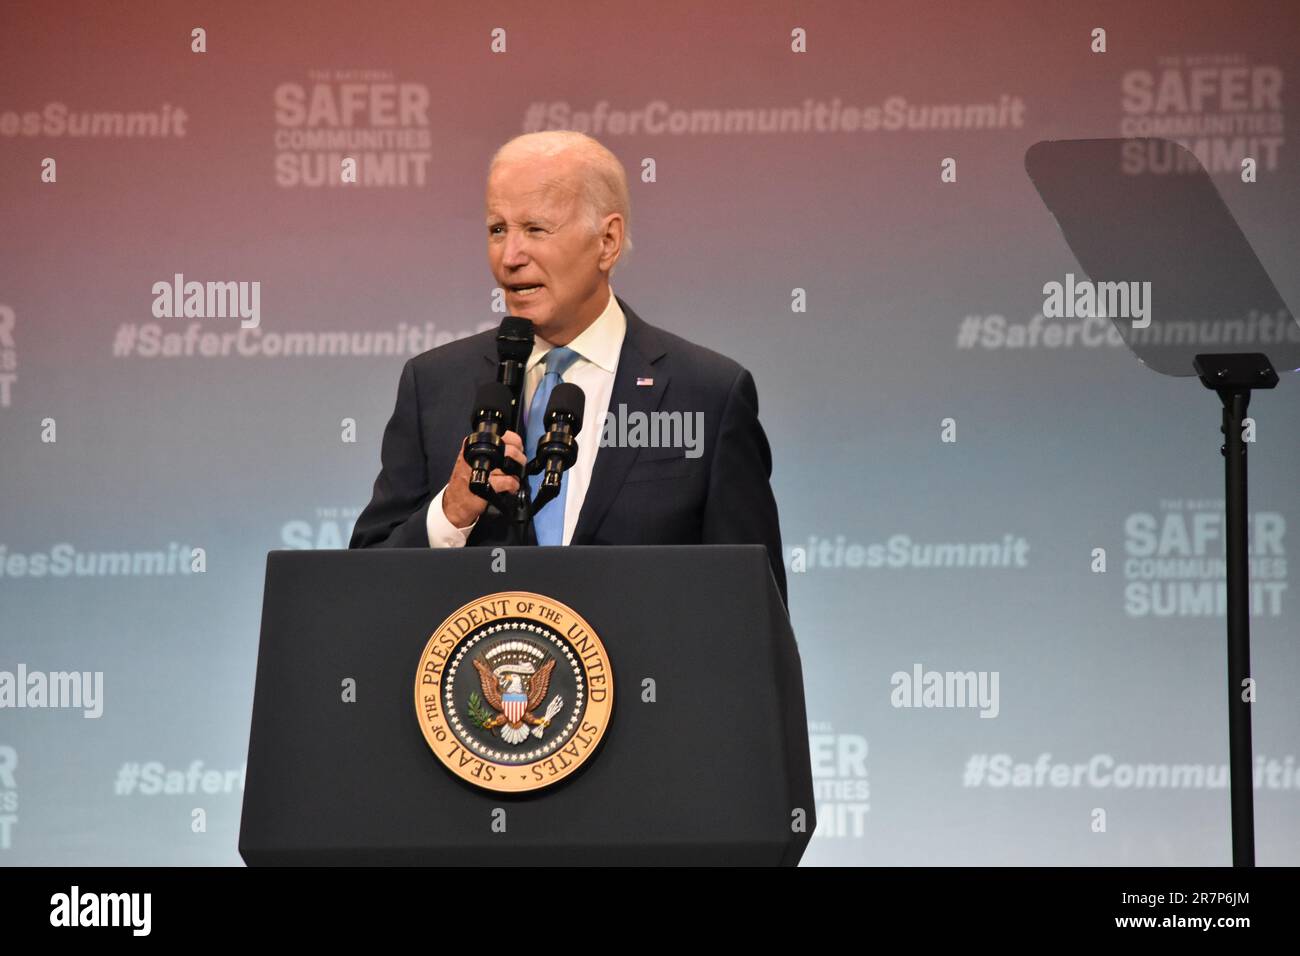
{"x":714,"y":770}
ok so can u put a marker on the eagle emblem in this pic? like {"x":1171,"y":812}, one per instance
{"x":515,"y":676}
{"x":534,"y":707}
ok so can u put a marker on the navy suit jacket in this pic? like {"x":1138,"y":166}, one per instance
{"x":636,"y":495}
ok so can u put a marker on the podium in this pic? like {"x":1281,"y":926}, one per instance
{"x":702,"y":757}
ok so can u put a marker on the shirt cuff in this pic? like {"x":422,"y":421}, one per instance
{"x":442,"y":533}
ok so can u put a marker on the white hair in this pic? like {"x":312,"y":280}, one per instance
{"x":604,"y":184}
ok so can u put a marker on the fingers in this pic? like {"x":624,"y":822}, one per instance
{"x":502,"y":482}
{"x":515,"y":447}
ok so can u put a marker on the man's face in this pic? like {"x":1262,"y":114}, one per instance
{"x":538,"y":237}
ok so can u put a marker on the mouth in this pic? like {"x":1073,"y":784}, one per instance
{"x":523,"y":290}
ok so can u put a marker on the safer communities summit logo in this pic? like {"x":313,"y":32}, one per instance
{"x":352,"y":128}
{"x":1174,"y":561}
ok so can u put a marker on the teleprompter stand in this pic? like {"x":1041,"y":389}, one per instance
{"x":1233,"y":376}
{"x":1145,"y":210}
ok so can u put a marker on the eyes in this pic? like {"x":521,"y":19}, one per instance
{"x":497,"y":229}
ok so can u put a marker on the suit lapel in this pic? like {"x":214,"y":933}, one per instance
{"x":642,"y":348}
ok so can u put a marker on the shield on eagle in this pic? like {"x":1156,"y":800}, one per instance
{"x":513,"y":706}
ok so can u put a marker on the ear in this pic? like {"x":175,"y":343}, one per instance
{"x":610,"y":235}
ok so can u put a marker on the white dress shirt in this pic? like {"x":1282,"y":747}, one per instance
{"x":593,"y":371}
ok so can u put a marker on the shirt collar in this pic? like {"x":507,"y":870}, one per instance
{"x":599,"y":343}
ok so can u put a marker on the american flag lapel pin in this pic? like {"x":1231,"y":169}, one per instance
{"x":645,"y":381}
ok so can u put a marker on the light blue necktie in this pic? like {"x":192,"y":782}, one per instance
{"x":549,"y":522}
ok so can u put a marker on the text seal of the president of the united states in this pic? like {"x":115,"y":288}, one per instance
{"x":514,"y":692}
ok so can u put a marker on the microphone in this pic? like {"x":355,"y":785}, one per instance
{"x":558,"y":448}
{"x":514,"y":346}
{"x":485,"y":449}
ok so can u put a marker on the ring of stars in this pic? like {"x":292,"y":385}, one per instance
{"x":562,"y":650}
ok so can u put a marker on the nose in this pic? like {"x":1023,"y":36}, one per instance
{"x":513,"y":255}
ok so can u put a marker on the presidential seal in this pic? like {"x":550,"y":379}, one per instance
{"x":514,"y":692}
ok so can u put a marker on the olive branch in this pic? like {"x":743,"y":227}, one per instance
{"x":478,"y":712}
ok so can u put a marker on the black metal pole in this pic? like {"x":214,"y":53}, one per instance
{"x":1235,"y":402}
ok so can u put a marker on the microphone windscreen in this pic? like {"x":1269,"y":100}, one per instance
{"x":570,"y":399}
{"x":492,"y":400}
{"x":515,"y":339}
